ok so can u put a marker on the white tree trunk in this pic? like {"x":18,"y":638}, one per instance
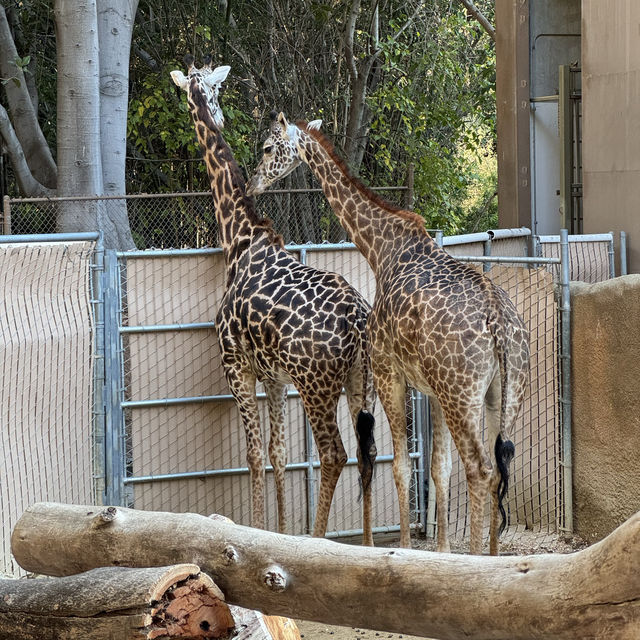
{"x":115,"y":27}
{"x":79,"y":152}
{"x":593,"y":593}
{"x":89,"y":131}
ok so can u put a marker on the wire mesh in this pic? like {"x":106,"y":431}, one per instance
{"x":589,"y":259}
{"x":180,"y":220}
{"x":46,"y":358}
{"x":533,"y":503}
{"x":208,"y":437}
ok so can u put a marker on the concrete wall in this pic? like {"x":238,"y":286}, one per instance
{"x":606,"y":404}
{"x":611,"y":124}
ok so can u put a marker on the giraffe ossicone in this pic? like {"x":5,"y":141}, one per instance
{"x":282,"y":322}
{"x":437,"y":325}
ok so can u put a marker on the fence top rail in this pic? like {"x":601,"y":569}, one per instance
{"x":175,"y":194}
{"x":483,"y":236}
{"x":89,"y":236}
{"x":349,"y":246}
{"x":583,"y":237}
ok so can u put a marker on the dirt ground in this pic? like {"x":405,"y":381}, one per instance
{"x":517,"y":543}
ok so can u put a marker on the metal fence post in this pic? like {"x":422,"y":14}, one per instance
{"x":612,"y":257}
{"x":97,"y":301}
{"x":623,"y":253}
{"x":565,"y":369}
{"x":6,"y":216}
{"x":114,"y":436}
{"x":309,"y":443}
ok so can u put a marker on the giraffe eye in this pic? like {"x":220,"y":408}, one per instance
{"x":268,"y":149}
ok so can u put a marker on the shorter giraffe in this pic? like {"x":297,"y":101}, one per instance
{"x":282,"y":322}
{"x":437,"y":325}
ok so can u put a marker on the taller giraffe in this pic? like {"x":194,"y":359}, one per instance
{"x":436,"y":324}
{"x":282,"y":322}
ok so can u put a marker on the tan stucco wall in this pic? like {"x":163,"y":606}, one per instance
{"x":605,"y":328}
{"x":611,"y":119}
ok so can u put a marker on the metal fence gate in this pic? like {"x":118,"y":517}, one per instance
{"x":178,"y":443}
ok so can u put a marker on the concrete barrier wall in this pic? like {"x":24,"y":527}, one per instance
{"x":605,"y":326}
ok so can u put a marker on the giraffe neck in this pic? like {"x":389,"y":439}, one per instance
{"x":239,"y":225}
{"x":379,"y":229}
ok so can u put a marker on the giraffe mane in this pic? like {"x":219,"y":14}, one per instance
{"x":409,"y":216}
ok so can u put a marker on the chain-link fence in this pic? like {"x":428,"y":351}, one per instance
{"x":184,"y":442}
{"x":179,"y":220}
{"x":46,"y":393}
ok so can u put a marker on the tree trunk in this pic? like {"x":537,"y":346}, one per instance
{"x":115,"y":27}
{"x":176,"y":601}
{"x":88,"y":132}
{"x":79,"y":153}
{"x":593,"y":593}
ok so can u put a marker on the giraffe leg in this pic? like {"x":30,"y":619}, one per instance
{"x":363,"y":425}
{"x":276,"y":400}
{"x":322,"y":417}
{"x":441,"y":473}
{"x":465,"y":430}
{"x":492,"y":417}
{"x":391,"y":388}
{"x":242,"y":385}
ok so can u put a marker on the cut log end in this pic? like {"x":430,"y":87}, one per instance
{"x":192,"y":608}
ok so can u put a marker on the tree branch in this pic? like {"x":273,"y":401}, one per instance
{"x":477,"y":14}
{"x":25,"y":121}
{"x":27,"y":184}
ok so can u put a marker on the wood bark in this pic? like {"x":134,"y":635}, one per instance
{"x":110,"y":602}
{"x":594,"y":593}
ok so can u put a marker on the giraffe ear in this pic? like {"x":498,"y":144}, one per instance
{"x":314,"y":124}
{"x":180,"y":79}
{"x":218,"y":75}
{"x":282,"y":121}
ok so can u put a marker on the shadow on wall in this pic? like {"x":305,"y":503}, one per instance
{"x":605,"y":353}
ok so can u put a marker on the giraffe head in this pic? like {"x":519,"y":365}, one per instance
{"x":281,"y":153}
{"x":202,"y":87}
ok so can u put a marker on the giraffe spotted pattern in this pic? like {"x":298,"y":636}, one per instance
{"x":436,"y":324}
{"x":282,"y":322}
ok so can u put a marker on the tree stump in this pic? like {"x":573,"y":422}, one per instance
{"x":590,"y":594}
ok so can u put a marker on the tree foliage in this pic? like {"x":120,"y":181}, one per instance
{"x":395,"y":82}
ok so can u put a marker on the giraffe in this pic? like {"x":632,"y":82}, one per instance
{"x":282,"y":322}
{"x":436,"y":324}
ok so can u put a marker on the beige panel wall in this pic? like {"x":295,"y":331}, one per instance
{"x":46,"y":337}
{"x":605,"y":357}
{"x":611,"y":119}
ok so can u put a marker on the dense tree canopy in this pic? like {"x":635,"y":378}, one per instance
{"x":397,"y":83}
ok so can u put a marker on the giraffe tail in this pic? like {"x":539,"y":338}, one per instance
{"x":366,"y":448}
{"x":504,"y":451}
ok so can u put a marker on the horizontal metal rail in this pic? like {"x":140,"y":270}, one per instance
{"x":165,"y":253}
{"x":509,"y":259}
{"x":90,"y":236}
{"x":349,"y":533}
{"x":583,"y":237}
{"x":239,"y":471}
{"x":168,"y":402}
{"x":483,"y":236}
{"x":157,"y":328}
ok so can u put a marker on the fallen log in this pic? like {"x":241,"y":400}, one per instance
{"x":594,"y":593}
{"x":116,"y":602}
